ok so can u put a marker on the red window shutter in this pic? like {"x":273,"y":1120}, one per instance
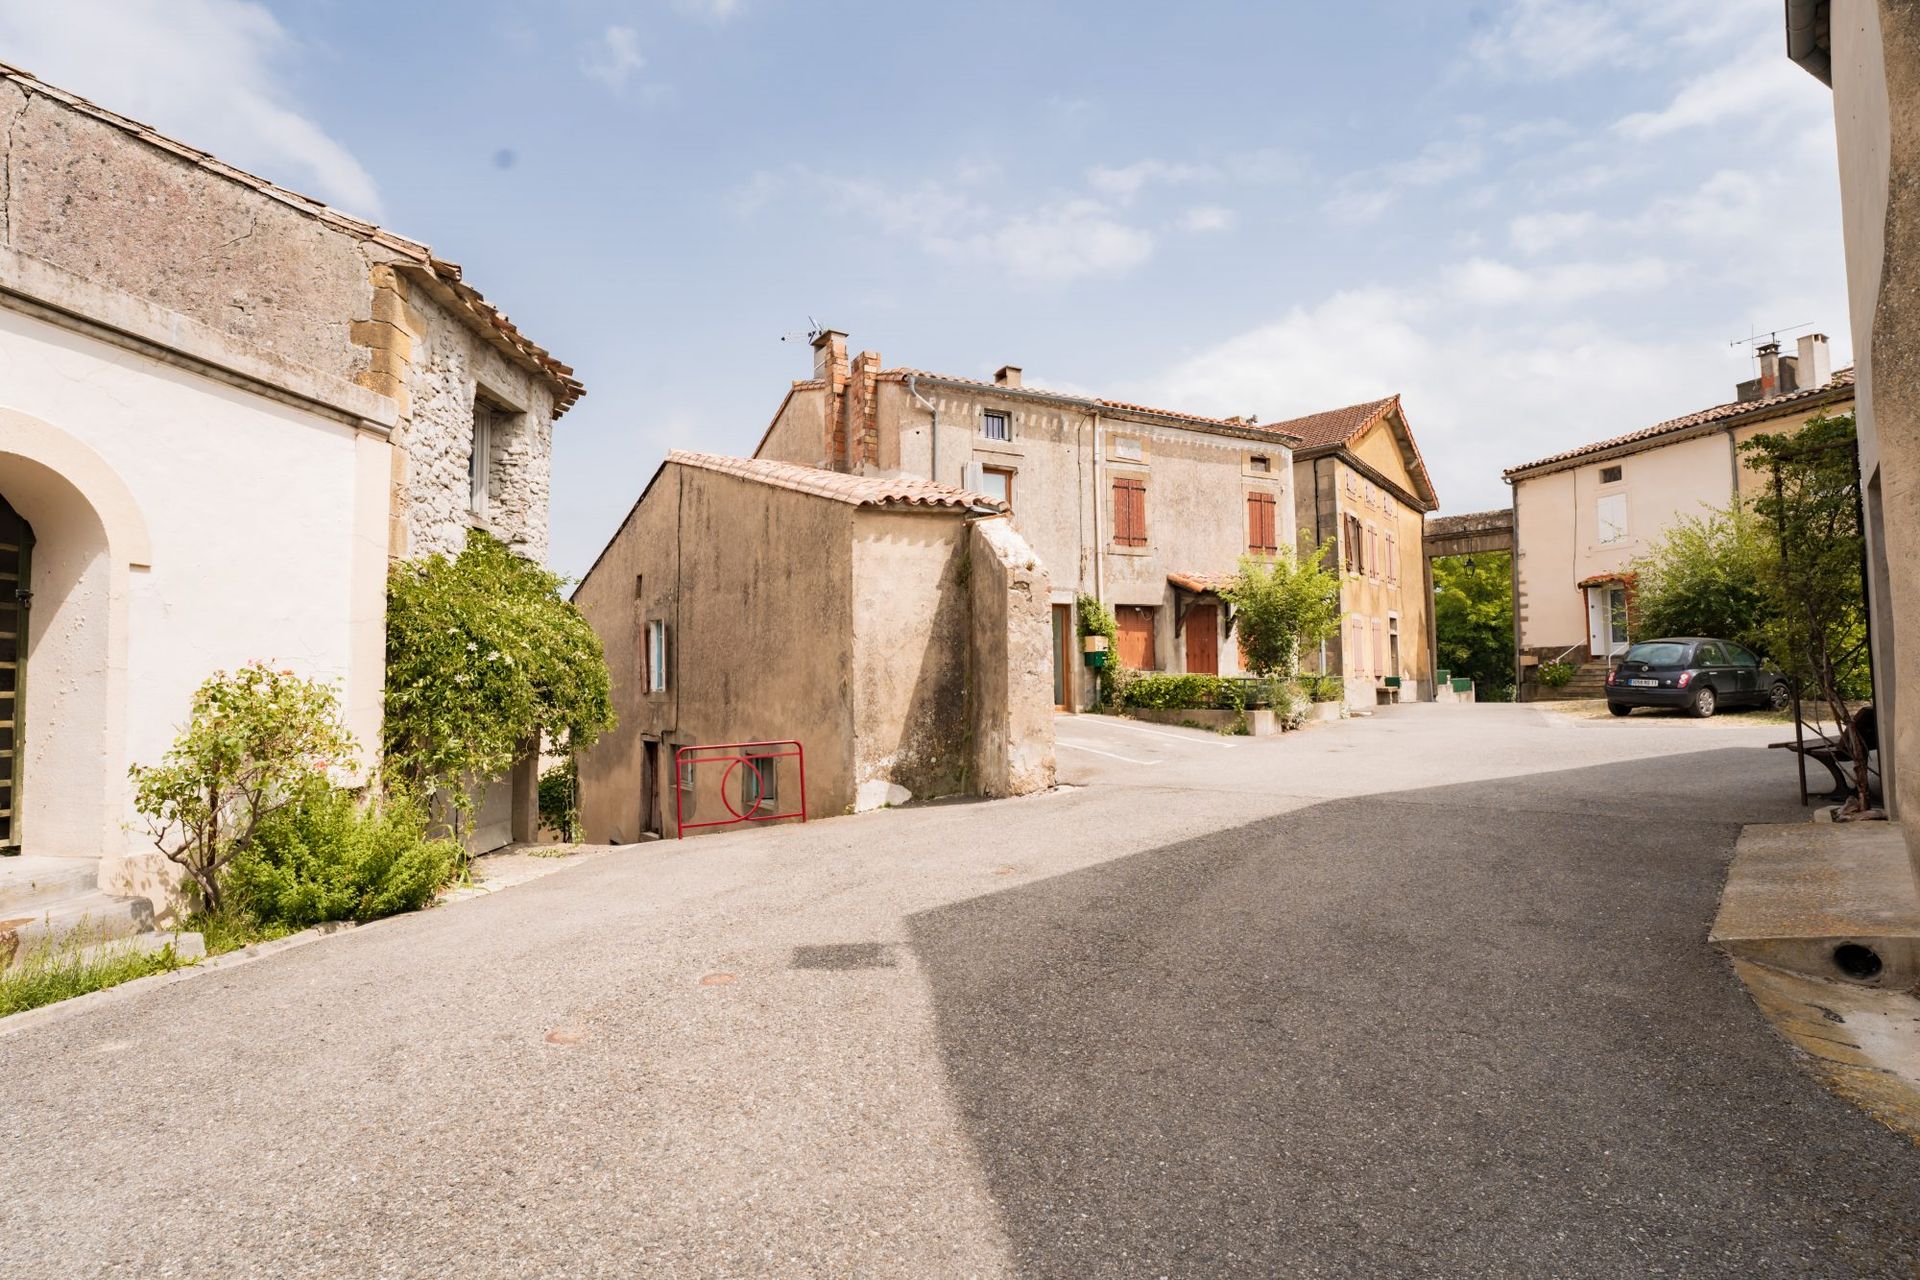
{"x":1139,"y":513}
{"x":1130,"y":513}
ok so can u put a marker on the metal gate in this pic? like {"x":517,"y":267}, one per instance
{"x":751,"y":774}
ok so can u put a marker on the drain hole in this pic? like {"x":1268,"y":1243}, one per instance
{"x":1856,"y":961}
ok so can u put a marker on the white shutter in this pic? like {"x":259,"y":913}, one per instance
{"x":973,"y":477}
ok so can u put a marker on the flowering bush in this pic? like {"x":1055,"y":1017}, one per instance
{"x":485,"y":660}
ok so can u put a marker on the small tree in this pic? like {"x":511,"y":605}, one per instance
{"x":1819,"y":631}
{"x":1281,"y":605}
{"x":258,"y":741}
{"x":1708,"y":576}
{"x":485,"y":660}
{"x":1473,"y":620}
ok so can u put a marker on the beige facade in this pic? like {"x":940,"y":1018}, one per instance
{"x":227,"y":407}
{"x":1362,"y":492}
{"x":1869,"y":51}
{"x":1146,"y":510}
{"x":1582,"y":517}
{"x":896,"y":630}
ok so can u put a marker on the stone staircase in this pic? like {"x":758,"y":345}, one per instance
{"x":53,"y":897}
{"x":1590,"y":681}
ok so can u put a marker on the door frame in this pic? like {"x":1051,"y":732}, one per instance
{"x":1600,"y":641}
{"x":1063,"y":657}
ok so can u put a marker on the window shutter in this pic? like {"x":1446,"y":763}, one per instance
{"x":1130,"y":513}
{"x":1139,"y":498}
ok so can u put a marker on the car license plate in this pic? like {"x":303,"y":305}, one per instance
{"x":1644,"y":684}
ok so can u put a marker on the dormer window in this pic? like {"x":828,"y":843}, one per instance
{"x":995,"y":426}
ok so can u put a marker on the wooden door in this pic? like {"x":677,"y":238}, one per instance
{"x":1203,"y":640}
{"x":1062,"y":657}
{"x":1136,"y":637}
{"x":16,"y":577}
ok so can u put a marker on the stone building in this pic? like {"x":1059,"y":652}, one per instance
{"x":1583,"y":515}
{"x":1362,"y":490}
{"x":896,"y":629}
{"x":1147,"y":510}
{"x":227,"y":407}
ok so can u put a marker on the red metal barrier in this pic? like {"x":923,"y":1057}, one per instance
{"x":688,"y":759}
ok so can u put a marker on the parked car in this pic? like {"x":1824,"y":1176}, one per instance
{"x":1698,"y":673}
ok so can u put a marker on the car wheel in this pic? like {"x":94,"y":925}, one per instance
{"x":1779,"y":697}
{"x":1620,"y":708}
{"x":1703,"y":702}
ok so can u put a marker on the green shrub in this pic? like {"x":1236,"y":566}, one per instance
{"x":1159,"y":692}
{"x":1322,"y":688}
{"x":327,"y":858}
{"x":560,"y":799}
{"x":1556,"y":675}
{"x":1097,"y":620}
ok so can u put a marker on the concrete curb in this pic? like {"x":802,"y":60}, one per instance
{"x":78,"y":1006}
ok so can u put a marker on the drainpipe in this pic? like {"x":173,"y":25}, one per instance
{"x":1099,"y":558}
{"x":933,"y":432}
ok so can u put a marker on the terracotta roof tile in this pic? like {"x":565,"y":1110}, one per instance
{"x":1200,"y":581}
{"x":1336,"y":426}
{"x":442,"y":275}
{"x":860,"y":491}
{"x":1841,"y":380}
{"x":1119,"y":406}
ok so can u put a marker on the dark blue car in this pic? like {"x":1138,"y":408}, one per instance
{"x":1695,"y":672}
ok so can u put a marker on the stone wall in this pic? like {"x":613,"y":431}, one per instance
{"x":1011,"y":658}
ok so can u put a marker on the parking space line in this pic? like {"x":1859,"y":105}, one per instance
{"x":1111,"y":755}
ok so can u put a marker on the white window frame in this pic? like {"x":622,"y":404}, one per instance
{"x":656,"y":655}
{"x":480,"y":458}
{"x":1006,"y":422}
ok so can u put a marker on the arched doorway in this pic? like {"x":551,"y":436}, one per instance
{"x":16,"y":577}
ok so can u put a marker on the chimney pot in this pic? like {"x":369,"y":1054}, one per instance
{"x":1008,"y":376}
{"x":829,"y":354}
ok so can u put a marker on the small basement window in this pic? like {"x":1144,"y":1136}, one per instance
{"x":996,"y":426}
{"x":1610,"y":475}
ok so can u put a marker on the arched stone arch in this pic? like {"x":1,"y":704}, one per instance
{"x":90,"y":537}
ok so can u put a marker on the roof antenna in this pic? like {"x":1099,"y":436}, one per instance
{"x":813,"y":331}
{"x":1771,"y":335}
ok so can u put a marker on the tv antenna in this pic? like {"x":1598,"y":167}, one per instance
{"x":1771,"y":335}
{"x":813,"y":331}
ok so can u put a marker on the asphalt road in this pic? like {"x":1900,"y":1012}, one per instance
{"x":1426,"y":994}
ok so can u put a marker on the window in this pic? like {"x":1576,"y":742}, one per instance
{"x":997,"y":483}
{"x":656,"y":655}
{"x":480,"y":457}
{"x":1373,"y":552}
{"x":1393,"y":556}
{"x":1611,"y":516}
{"x":1129,"y":512}
{"x":760,"y":781}
{"x":996,"y":426}
{"x":1353,"y":553}
{"x":1741,"y":657}
{"x":1259,"y":462}
{"x":1711,"y":656}
{"x":1393,"y":645}
{"x":1610,"y":475}
{"x":1262,"y":534}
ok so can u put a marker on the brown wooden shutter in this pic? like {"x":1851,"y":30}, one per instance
{"x":1263,"y":525}
{"x":1130,"y":513}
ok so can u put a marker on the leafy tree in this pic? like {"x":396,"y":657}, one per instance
{"x":1473,"y":620}
{"x":1098,"y":620}
{"x":1708,"y":576}
{"x":1819,"y":633}
{"x":259,"y":741}
{"x":1282,"y":605}
{"x":485,"y":660}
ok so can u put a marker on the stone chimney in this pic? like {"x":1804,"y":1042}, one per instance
{"x":1814,"y":367}
{"x":1769,"y":353}
{"x":1008,"y":376}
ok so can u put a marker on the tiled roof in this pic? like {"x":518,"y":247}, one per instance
{"x":442,"y":276}
{"x":1720,"y":413}
{"x":859,"y":491}
{"x":1200,"y":581}
{"x":1336,"y":426}
{"x":1118,"y":406}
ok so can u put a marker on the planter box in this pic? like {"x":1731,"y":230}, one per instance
{"x":1260,"y":724}
{"x":1325,"y":712}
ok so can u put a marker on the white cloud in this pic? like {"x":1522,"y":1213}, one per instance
{"x":1206,"y":218}
{"x":1751,"y":87}
{"x":614,"y":57}
{"x":1492,"y":283}
{"x":1365,"y":196}
{"x":1125,"y":182}
{"x":1060,"y":242}
{"x":201,"y":70}
{"x":718,"y":10}
{"x":1553,"y":39}
{"x":1536,"y":233}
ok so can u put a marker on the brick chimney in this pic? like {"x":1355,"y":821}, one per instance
{"x":1769,"y":353}
{"x":830,"y":367}
{"x":1814,"y":368}
{"x":1008,"y":376}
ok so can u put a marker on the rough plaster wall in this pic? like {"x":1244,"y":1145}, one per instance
{"x":909,"y":674}
{"x":798,"y":432}
{"x":90,"y":198}
{"x":1011,"y":659}
{"x":449,"y":369}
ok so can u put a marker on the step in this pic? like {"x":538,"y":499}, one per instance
{"x":99,"y":913}
{"x":26,"y":882}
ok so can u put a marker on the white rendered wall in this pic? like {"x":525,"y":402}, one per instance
{"x":259,"y":533}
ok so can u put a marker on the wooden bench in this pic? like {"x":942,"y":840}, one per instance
{"x":1838,"y":763}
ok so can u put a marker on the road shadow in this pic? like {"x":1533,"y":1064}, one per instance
{"x":1466,"y":1030}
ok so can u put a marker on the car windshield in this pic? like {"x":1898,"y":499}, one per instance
{"x":1659,"y":653}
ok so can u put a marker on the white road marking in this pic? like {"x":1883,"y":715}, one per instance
{"x":1111,"y":755}
{"x":1162,"y":733}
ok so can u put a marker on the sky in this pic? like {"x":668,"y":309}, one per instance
{"x":1542,"y":222}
